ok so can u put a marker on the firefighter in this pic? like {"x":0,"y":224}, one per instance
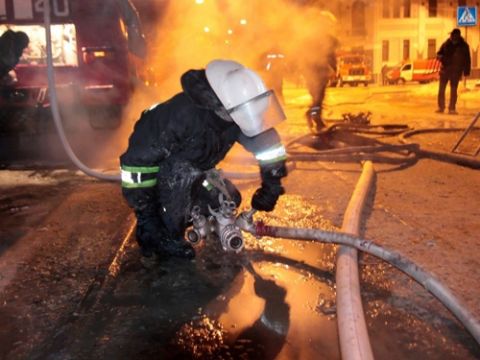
{"x":175,"y":146}
{"x":12,"y":45}
{"x":318,"y":77}
{"x":454,"y":56}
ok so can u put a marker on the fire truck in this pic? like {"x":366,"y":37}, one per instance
{"x":352,"y":69}
{"x":94,"y":66}
{"x":422,"y":71}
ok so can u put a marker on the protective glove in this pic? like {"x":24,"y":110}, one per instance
{"x":265,"y":198}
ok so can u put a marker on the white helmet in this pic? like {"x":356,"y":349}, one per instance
{"x":242,"y":92}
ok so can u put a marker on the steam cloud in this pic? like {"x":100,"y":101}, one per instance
{"x":189,"y":35}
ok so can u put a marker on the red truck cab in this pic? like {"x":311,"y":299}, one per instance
{"x":352,"y":69}
{"x":92,"y":63}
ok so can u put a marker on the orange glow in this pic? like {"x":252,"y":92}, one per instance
{"x":254,"y":29}
{"x":184,"y":41}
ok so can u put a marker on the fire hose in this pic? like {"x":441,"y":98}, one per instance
{"x":439,"y":155}
{"x":406,"y":152}
{"x":352,"y":326}
{"x":354,"y":343}
{"x":245,"y":220}
{"x":55,"y":108}
{"x":227,"y":226}
{"x":424,"y":278}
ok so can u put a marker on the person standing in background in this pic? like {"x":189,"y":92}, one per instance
{"x":454,"y":56}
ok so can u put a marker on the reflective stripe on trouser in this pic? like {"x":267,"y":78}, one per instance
{"x":138,"y":176}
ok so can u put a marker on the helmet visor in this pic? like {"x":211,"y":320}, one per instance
{"x":258,"y":114}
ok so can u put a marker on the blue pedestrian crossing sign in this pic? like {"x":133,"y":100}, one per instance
{"x":467,"y":16}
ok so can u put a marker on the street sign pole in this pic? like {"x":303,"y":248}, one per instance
{"x":464,"y":77}
{"x":466,"y":16}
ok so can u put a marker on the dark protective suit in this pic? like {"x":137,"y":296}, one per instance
{"x":455,"y":60}
{"x":172,"y":146}
{"x":12,"y":44}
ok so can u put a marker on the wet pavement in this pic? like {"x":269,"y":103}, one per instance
{"x":72,"y":286}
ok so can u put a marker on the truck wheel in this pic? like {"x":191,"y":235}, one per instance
{"x":340,"y":82}
{"x":401,"y":81}
{"x":105,"y":117}
{"x":365,"y":84}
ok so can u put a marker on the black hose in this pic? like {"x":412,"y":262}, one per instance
{"x":362,"y":149}
{"x":452,"y":158}
{"x":356,"y":158}
{"x":362,"y":153}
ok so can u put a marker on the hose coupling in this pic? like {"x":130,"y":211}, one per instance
{"x":245,"y":221}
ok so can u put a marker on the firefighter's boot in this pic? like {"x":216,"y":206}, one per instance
{"x":149,"y":261}
{"x":314,"y":119}
{"x":175,"y":248}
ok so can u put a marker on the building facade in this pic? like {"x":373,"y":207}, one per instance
{"x":391,"y":31}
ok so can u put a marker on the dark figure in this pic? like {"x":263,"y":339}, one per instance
{"x":317,"y":81}
{"x":454,"y":55}
{"x":12,"y":45}
{"x":175,"y":146}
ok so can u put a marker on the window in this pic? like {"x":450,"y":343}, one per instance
{"x":385,"y":50}
{"x":386,"y":9}
{"x":432,"y":8}
{"x":462,"y":2}
{"x":406,"y":49}
{"x":64,"y":44}
{"x":358,"y":18}
{"x":432,"y":48}
{"x":407,"y":4}
{"x":396,"y":8}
